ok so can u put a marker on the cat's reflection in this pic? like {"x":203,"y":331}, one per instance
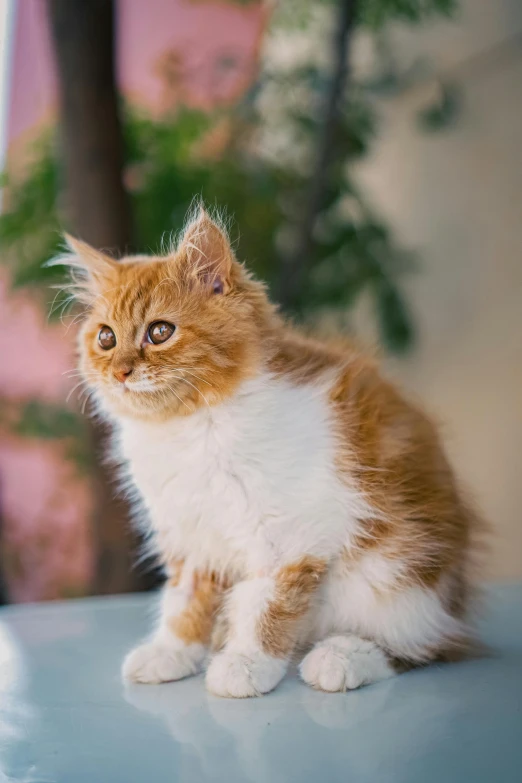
{"x":225,"y":734}
{"x":374,"y":734}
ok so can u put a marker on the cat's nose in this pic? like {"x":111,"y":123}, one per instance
{"x":122,"y":374}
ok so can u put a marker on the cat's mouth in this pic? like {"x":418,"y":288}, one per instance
{"x":153,"y":395}
{"x":135,"y":387}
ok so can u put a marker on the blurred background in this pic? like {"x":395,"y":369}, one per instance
{"x":368,"y":152}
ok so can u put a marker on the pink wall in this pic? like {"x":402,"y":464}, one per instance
{"x":37,"y":368}
{"x":190,"y":35}
{"x":32,"y":82}
{"x":168,"y":51}
{"x":199,"y":34}
{"x":46,"y":541}
{"x":45,"y":504}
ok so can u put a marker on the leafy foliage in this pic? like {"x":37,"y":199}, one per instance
{"x":442,"y":111}
{"x":371,"y":14}
{"x":170,"y":174}
{"x":47,"y":421}
{"x":376,"y":13}
{"x":30,"y":224}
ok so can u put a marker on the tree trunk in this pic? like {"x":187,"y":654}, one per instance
{"x":98,"y":212}
{"x":297,"y":265}
{"x":3,"y":587}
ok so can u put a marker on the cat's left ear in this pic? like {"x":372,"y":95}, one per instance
{"x":206,"y":250}
{"x":91,"y":269}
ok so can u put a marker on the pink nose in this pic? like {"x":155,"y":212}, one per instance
{"x":122,"y":375}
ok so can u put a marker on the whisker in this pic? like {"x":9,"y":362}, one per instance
{"x":195,"y":375}
{"x":84,"y":391}
{"x":184,"y":369}
{"x":168,"y":374}
{"x":65,"y":305}
{"x":76,"y":318}
{"x":86,"y":400}
{"x":76,"y":371}
{"x":73,"y":390}
{"x":179,"y":398}
{"x":194,"y":387}
{"x":52,"y":308}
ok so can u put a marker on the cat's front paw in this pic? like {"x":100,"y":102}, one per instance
{"x":239,"y":676}
{"x":156,"y":662}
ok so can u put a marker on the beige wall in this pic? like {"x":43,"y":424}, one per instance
{"x":456,"y":198}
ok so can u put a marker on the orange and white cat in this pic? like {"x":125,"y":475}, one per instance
{"x":297,"y":501}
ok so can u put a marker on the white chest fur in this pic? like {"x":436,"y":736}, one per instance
{"x":246,"y":485}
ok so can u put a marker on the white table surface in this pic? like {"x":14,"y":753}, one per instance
{"x":66,"y":717}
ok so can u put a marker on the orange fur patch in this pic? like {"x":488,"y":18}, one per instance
{"x":301,"y":359}
{"x":393,"y":451}
{"x":175,"y":570}
{"x":295,"y":586}
{"x":194,"y":625}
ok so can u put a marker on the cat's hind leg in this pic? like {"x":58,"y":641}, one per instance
{"x":383,"y":635}
{"x":345,"y":662}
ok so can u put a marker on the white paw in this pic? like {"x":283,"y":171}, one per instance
{"x":154,"y":662}
{"x":343,"y":663}
{"x":239,"y":676}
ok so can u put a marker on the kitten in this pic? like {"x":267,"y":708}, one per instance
{"x":296,"y":500}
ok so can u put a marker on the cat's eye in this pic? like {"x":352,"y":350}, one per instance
{"x":159,"y":332}
{"x":106,"y":338}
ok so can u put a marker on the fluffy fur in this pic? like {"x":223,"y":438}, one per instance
{"x":297,"y":501}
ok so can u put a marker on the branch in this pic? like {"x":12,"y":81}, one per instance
{"x":297,"y":265}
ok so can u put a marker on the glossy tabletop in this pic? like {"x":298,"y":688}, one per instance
{"x":65,"y":716}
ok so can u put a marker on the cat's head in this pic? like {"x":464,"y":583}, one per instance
{"x":165,"y":335}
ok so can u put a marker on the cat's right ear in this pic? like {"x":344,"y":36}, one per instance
{"x":91,"y":270}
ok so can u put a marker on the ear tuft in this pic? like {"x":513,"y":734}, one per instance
{"x":94,"y":262}
{"x":208,"y":253}
{"x":90,"y":269}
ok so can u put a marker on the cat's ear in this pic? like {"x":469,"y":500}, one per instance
{"x":91,"y":270}
{"x":94,"y":263}
{"x":206,"y":251}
